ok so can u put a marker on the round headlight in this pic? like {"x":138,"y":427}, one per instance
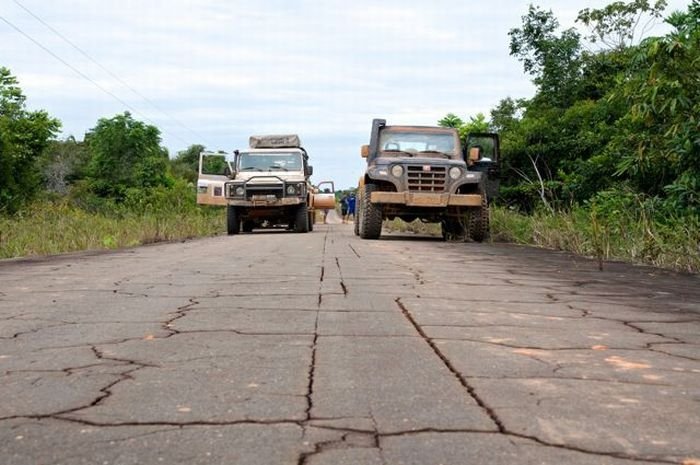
{"x":455,"y":172}
{"x":397,"y":171}
{"x":291,"y":189}
{"x":240,"y":191}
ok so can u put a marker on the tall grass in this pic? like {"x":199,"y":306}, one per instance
{"x":628,"y":235}
{"x":611,"y":227}
{"x":51,"y":227}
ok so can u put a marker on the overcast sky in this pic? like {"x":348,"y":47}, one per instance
{"x":219,"y":71}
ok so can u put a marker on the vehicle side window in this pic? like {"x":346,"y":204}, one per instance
{"x":214,"y":164}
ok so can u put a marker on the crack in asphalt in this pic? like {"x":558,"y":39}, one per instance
{"x":342,"y":281}
{"x":502,"y":429}
{"x":181,"y":312}
{"x":491,"y":414}
{"x":312,"y":363}
{"x":644,"y":331}
{"x":34,"y":330}
{"x":345,"y":442}
{"x":354,"y":251}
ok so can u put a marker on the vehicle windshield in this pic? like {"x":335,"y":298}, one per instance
{"x":277,"y":161}
{"x":417,"y":144}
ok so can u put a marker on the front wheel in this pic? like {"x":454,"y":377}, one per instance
{"x":370,"y":216}
{"x":301,"y":219}
{"x":233,"y":220}
{"x":479,"y":227}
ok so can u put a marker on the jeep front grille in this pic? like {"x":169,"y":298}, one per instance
{"x":264,"y":189}
{"x":420,"y":179}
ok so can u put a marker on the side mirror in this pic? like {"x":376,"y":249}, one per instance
{"x":364,"y":151}
{"x":309,"y":170}
{"x":227,"y":171}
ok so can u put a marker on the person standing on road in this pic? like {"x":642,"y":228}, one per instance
{"x":344,"y":208}
{"x":351,"y":207}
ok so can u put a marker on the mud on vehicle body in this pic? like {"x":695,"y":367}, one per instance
{"x":416,"y":172}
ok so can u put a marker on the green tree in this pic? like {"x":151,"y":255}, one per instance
{"x":616,"y":24}
{"x":451,"y":121}
{"x":552,"y":58}
{"x":24,"y":135}
{"x":658,"y":146}
{"x":476,"y":123}
{"x":126,"y":154}
{"x":186,"y":164}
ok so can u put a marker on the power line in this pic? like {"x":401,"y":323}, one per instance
{"x":85,"y":76}
{"x":112,"y":74}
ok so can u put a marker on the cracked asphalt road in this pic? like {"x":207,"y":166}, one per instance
{"x":278,"y":348}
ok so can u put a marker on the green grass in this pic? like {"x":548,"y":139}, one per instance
{"x":627,"y":234}
{"x":55,"y":227}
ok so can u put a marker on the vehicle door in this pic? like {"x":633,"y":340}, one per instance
{"x":482,"y":154}
{"x":214,"y":171}
{"x":324,"y":198}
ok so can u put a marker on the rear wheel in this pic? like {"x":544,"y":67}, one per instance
{"x":371,"y":215}
{"x":301,"y":220}
{"x":453,"y":229}
{"x":248,"y":226}
{"x":233,"y":220}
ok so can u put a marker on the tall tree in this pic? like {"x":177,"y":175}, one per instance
{"x":186,"y":163}
{"x":618,"y":24}
{"x":126,"y":153}
{"x":552,"y":58}
{"x":23,"y":137}
{"x":659,"y":144}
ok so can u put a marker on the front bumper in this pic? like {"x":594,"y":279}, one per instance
{"x":266,"y":202}
{"x":421,"y":199}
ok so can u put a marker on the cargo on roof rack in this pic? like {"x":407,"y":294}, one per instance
{"x":275,"y":141}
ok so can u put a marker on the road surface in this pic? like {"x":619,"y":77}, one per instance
{"x":321,"y":348}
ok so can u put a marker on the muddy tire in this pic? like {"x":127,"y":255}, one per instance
{"x":479,"y":222}
{"x":233,"y":220}
{"x":371,"y":215}
{"x":301,"y":219}
{"x":454,"y":230}
{"x":247,"y":226}
{"x":311,"y":220}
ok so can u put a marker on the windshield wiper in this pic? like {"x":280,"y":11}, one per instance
{"x":435,"y":151}
{"x":248,"y":168}
{"x":410,"y":154}
{"x":278,"y":167}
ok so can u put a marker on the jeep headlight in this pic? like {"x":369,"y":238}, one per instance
{"x":455,"y":172}
{"x":397,"y":171}
{"x":291,"y":189}
{"x":239,"y":191}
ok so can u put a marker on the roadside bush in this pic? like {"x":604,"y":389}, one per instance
{"x":85,"y":221}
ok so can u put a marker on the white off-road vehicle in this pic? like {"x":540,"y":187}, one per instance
{"x":265,"y":185}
